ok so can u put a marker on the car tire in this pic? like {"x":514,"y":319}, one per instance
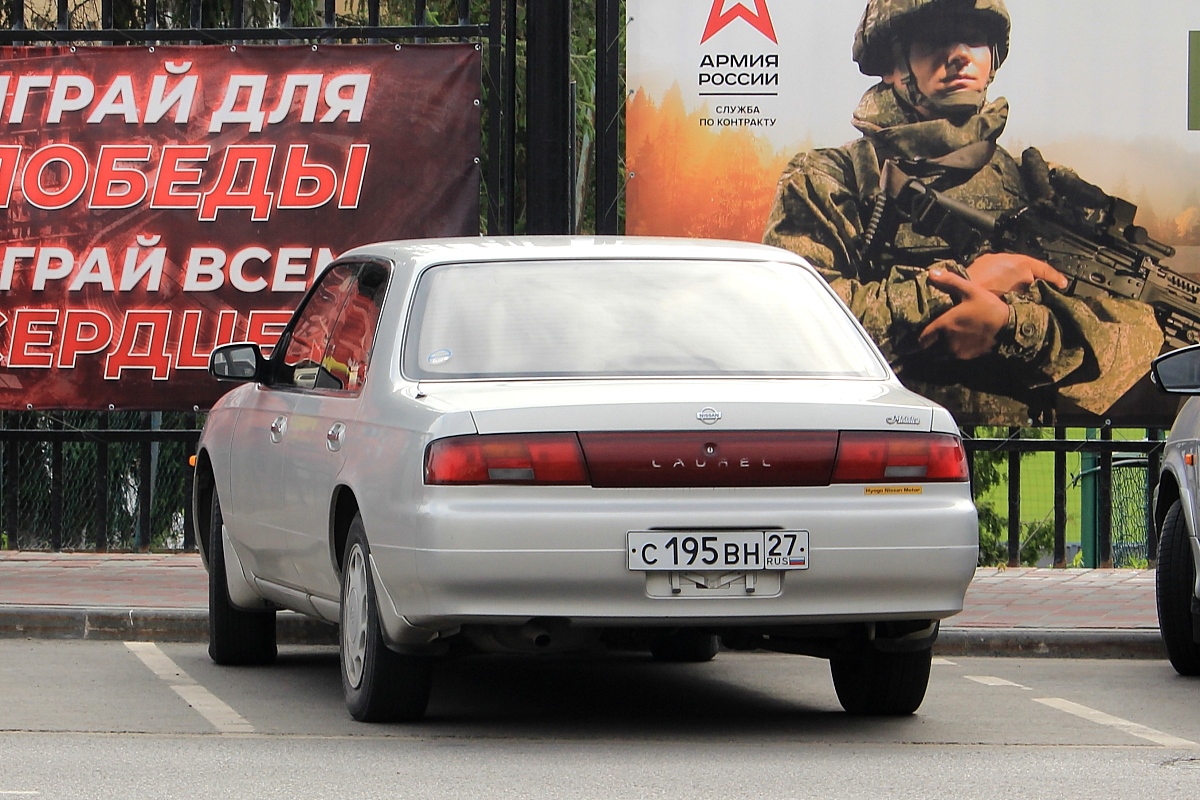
{"x":236,"y":637}
{"x":882,"y":684}
{"x":1174,"y":579}
{"x":380,"y":685}
{"x":685,"y":646}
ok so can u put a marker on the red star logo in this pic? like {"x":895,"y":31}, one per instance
{"x":760,"y":18}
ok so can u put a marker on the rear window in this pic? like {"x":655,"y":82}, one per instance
{"x":631,"y":318}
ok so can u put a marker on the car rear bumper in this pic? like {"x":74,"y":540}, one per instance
{"x":468,"y":560}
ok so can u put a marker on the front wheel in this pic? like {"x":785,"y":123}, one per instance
{"x":882,"y":684}
{"x":379,"y":684}
{"x":1174,"y":585}
{"x":236,"y":637}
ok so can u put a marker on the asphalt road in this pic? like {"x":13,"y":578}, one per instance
{"x":82,"y":719}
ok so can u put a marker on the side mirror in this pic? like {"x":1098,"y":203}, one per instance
{"x":1177,"y":372}
{"x":242,"y":361}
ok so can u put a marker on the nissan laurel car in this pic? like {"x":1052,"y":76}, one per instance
{"x":572,"y":444}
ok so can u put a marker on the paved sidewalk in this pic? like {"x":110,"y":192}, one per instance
{"x":1076,"y":612}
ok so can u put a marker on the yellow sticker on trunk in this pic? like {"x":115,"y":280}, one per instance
{"x":895,"y":489}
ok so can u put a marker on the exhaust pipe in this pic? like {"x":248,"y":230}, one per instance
{"x":536,"y":635}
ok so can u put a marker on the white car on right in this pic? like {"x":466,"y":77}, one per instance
{"x":1177,"y":513}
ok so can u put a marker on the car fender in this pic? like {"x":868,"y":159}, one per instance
{"x":1183,"y":476}
{"x":214,"y":442}
{"x":239,"y":585}
{"x":384,"y":473}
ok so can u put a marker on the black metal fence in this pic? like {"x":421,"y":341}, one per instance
{"x":1121,"y":473}
{"x":96,"y":480}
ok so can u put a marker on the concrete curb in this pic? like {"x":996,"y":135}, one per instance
{"x":1051,"y":642}
{"x":141,"y":624}
{"x":107,"y":623}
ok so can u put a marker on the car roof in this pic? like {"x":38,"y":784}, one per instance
{"x":420,"y":253}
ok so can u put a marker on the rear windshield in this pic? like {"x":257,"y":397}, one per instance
{"x":631,"y":318}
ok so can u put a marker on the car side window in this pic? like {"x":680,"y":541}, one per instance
{"x":305,"y":344}
{"x":349,"y":351}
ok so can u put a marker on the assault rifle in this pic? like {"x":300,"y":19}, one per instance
{"x":1077,"y":228}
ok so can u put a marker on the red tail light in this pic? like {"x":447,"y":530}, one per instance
{"x":870,"y":457}
{"x":540,"y":458}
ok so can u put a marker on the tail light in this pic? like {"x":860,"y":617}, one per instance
{"x":870,"y":457}
{"x":539,"y":458}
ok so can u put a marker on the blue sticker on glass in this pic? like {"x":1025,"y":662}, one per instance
{"x":438,"y":357}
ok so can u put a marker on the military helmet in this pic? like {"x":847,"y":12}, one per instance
{"x":884,"y":21}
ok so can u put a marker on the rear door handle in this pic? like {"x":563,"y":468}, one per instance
{"x":278,"y":429}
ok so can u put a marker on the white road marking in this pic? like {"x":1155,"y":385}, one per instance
{"x":209,"y":706}
{"x":1132,"y":728}
{"x":988,"y":680}
{"x":944,"y":662}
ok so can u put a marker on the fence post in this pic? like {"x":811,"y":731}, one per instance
{"x":12,"y":488}
{"x":1104,"y":498}
{"x":56,"y":489}
{"x":9,"y":507}
{"x":548,"y":109}
{"x":493,"y":78}
{"x":1088,"y":512}
{"x":100,"y":504}
{"x":1014,"y":502}
{"x":145,"y":497}
{"x":510,"y":125}
{"x":1060,"y":501}
{"x":608,"y":115}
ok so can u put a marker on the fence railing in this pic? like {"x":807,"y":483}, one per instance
{"x":102,"y":481}
{"x":1119,"y":476}
{"x":96,"y":481}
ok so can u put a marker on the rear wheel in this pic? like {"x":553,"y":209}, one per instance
{"x":685,"y":646}
{"x":1175,"y":578}
{"x":235,"y":637}
{"x":882,"y":684}
{"x":380,"y":685}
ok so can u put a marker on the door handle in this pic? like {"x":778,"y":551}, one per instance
{"x":278,"y":429}
{"x":335,"y":437}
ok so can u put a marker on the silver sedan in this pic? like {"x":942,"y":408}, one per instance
{"x":552,"y":444}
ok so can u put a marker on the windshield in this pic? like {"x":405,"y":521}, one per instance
{"x":631,"y":318}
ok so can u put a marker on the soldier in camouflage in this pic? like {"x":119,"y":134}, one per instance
{"x":994,"y":339}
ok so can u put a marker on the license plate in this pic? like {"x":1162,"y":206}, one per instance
{"x":713,"y":550}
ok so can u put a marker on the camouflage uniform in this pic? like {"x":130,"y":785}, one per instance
{"x":1056,"y":351}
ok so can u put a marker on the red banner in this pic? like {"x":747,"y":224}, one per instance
{"x":157,"y":202}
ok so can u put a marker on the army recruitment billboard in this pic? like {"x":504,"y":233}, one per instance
{"x":158,"y":201}
{"x":751,"y":120}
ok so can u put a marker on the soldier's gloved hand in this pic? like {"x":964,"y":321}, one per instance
{"x":1010,"y":272}
{"x":971,"y":327}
